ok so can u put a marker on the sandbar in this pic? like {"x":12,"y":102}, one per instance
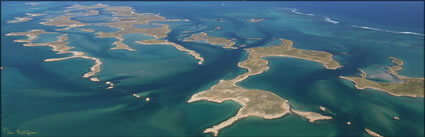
{"x":87,"y":30}
{"x":322,"y":108}
{"x":396,"y":118}
{"x":19,"y":19}
{"x":255,"y":20}
{"x":34,"y":14}
{"x":373,"y":134}
{"x":111,"y":85}
{"x":311,"y":116}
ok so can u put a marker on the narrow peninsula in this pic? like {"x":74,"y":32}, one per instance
{"x":410,"y":87}
{"x":211,"y":40}
{"x":260,"y":103}
{"x":177,"y":46}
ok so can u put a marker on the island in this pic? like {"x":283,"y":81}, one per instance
{"x":88,"y":13}
{"x":410,"y":87}
{"x":24,"y":19}
{"x":396,"y":118}
{"x":211,"y":40}
{"x":63,"y":21}
{"x":311,"y":116}
{"x":322,"y":108}
{"x":87,"y":30}
{"x":126,"y":25}
{"x":111,"y":85}
{"x":32,"y":3}
{"x":255,"y":20}
{"x":371,"y":133}
{"x":261,"y":103}
{"x":34,"y":14}
{"x":78,"y":7}
{"x":177,"y":46}
{"x":19,"y":19}
{"x":59,"y":46}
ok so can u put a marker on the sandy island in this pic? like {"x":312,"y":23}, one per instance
{"x":311,"y":116}
{"x":322,"y":108}
{"x":19,"y":19}
{"x":254,"y":102}
{"x":211,"y":40}
{"x":373,"y":134}
{"x":410,"y":87}
{"x":87,"y":30}
{"x":34,"y":14}
{"x":111,"y":85}
{"x":255,"y":20}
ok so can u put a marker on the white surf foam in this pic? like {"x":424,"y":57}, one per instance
{"x":327,"y":19}
{"x":390,"y":31}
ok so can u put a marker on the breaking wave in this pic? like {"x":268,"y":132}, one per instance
{"x":390,"y":31}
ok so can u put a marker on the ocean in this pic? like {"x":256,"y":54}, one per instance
{"x":52,"y":99}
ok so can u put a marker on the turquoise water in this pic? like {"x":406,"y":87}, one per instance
{"x":53,"y":99}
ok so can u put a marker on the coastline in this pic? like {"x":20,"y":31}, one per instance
{"x":409,"y":87}
{"x":177,"y":46}
{"x":375,"y":88}
{"x":59,"y":46}
{"x":211,"y":40}
{"x":228,"y":90}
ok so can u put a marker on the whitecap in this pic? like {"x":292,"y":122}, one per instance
{"x":327,"y":19}
{"x":390,"y":31}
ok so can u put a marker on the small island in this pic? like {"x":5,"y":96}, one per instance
{"x":260,"y":103}
{"x":34,"y":14}
{"x":87,"y":30}
{"x":255,"y":20}
{"x":311,"y":116}
{"x":410,"y":87}
{"x":110,"y":85}
{"x":371,"y":133}
{"x":211,"y":40}
{"x":19,"y":19}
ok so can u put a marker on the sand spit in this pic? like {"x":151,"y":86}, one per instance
{"x":373,"y":134}
{"x":177,"y":46}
